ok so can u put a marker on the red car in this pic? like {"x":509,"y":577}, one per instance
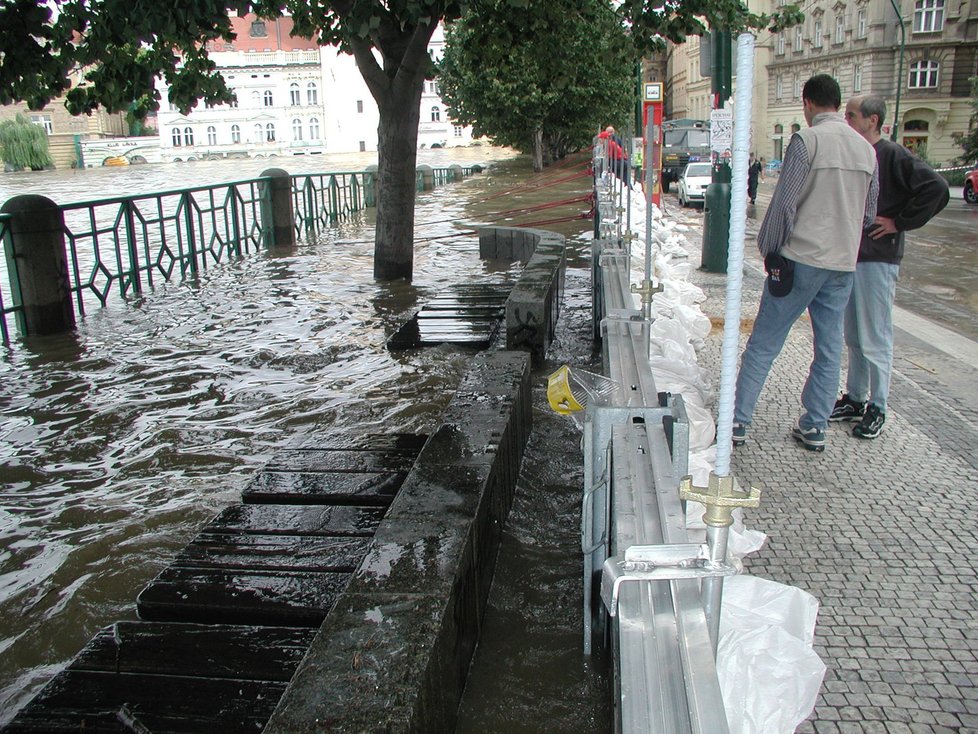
{"x":971,"y":187}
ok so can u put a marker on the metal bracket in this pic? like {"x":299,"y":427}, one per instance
{"x":658,"y":563}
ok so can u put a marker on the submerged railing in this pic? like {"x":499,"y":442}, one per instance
{"x":126,"y":244}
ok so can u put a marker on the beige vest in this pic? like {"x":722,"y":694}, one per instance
{"x":829,"y":219}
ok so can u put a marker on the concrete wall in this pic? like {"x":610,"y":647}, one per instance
{"x":394,"y":652}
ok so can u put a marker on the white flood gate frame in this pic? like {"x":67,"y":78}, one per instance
{"x":660,"y":594}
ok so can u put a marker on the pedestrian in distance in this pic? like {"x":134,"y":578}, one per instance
{"x":911,"y":193}
{"x":753,"y":175}
{"x":809,"y":239}
{"x":615,"y":153}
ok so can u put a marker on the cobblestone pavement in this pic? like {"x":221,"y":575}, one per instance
{"x":878,"y":531}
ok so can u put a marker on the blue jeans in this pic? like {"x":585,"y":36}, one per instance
{"x":869,"y":332}
{"x":824,"y":293}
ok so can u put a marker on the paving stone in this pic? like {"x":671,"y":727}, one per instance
{"x":873,"y":529}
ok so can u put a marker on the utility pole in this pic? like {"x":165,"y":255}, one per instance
{"x":716,"y":207}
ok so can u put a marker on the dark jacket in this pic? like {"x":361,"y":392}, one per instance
{"x":911,"y":193}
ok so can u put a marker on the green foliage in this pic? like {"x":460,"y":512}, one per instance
{"x":24,"y":144}
{"x":969,"y":141}
{"x":560,"y":68}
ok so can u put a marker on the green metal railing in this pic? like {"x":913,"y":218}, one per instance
{"x":126,"y":244}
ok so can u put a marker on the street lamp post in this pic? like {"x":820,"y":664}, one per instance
{"x":899,"y":80}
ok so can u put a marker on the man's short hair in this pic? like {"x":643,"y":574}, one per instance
{"x":822,"y":90}
{"x":873,"y":104}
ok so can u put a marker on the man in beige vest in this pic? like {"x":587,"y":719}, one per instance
{"x":825,"y":196}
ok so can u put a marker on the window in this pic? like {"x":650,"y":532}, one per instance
{"x":234,"y":102}
{"x":211,"y":135}
{"x":259,"y":132}
{"x":363,"y":146}
{"x":840,"y":28}
{"x":817,"y":33}
{"x":256,"y":99}
{"x":796,"y":87}
{"x":928,"y":16}
{"x":923,"y":75}
{"x":267,"y":98}
{"x":360,"y":106}
{"x":457,"y":130}
{"x":312,"y":94}
{"x":258,"y":29}
{"x":43,"y":121}
{"x":436,"y":114}
{"x":235,"y":134}
{"x":314,"y":128}
{"x":270,"y":132}
{"x":188,"y":136}
{"x":297,"y":129}
{"x":781,"y":43}
{"x":861,"y":23}
{"x":294,"y":95}
{"x":779,"y":87}
{"x":799,"y":38}
{"x":857,"y":77}
{"x":176,"y":137}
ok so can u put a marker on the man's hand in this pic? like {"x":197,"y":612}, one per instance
{"x":882,"y":226}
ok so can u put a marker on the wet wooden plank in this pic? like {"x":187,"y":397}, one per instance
{"x":84,"y":701}
{"x":207,"y":651}
{"x":358,"y":461}
{"x":285,"y":598}
{"x":334,"y":488}
{"x":410,"y":443}
{"x":297,"y":520}
{"x":270,"y":552}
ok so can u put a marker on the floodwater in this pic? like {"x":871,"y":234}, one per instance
{"x":118,"y":442}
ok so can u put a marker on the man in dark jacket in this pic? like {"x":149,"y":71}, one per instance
{"x":911,"y":193}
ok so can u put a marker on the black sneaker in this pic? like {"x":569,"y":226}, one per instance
{"x":872,"y":423}
{"x":812,"y":439}
{"x":739,"y":437}
{"x":847,"y":409}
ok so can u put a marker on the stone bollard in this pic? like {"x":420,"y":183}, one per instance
{"x":38,"y":265}
{"x":278,"y":216}
{"x":370,"y":185}
{"x":427,"y":176}
{"x":457,"y":173}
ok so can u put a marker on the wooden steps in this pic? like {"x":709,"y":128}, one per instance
{"x":466,"y":314}
{"x":225,"y":625}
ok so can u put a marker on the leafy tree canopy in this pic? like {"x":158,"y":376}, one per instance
{"x":123,"y":45}
{"x":24,"y":144}
{"x":549,"y":76}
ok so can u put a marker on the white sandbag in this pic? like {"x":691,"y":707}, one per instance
{"x":769,"y":674}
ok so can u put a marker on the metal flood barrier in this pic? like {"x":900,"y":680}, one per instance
{"x":642,"y":576}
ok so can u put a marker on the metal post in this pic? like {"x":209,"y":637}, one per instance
{"x":277,"y":207}
{"x":716,"y":205}
{"x":899,"y":81}
{"x":37,"y":264}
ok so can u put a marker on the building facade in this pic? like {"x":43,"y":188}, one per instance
{"x":293,"y":98}
{"x":859,"y":42}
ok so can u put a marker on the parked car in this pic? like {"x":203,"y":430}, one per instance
{"x":693,"y":182}
{"x":971,"y":187}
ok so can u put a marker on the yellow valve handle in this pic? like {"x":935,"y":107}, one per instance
{"x":559,"y":393}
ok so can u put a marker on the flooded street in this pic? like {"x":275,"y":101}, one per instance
{"x":119,"y":441}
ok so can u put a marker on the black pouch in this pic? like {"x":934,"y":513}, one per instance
{"x":780,"y":274}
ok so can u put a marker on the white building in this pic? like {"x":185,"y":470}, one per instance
{"x":293,"y":98}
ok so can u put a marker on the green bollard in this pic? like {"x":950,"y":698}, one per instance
{"x":716,"y":227}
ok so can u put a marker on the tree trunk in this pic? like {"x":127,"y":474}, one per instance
{"x":397,"y":156}
{"x":538,"y":150}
